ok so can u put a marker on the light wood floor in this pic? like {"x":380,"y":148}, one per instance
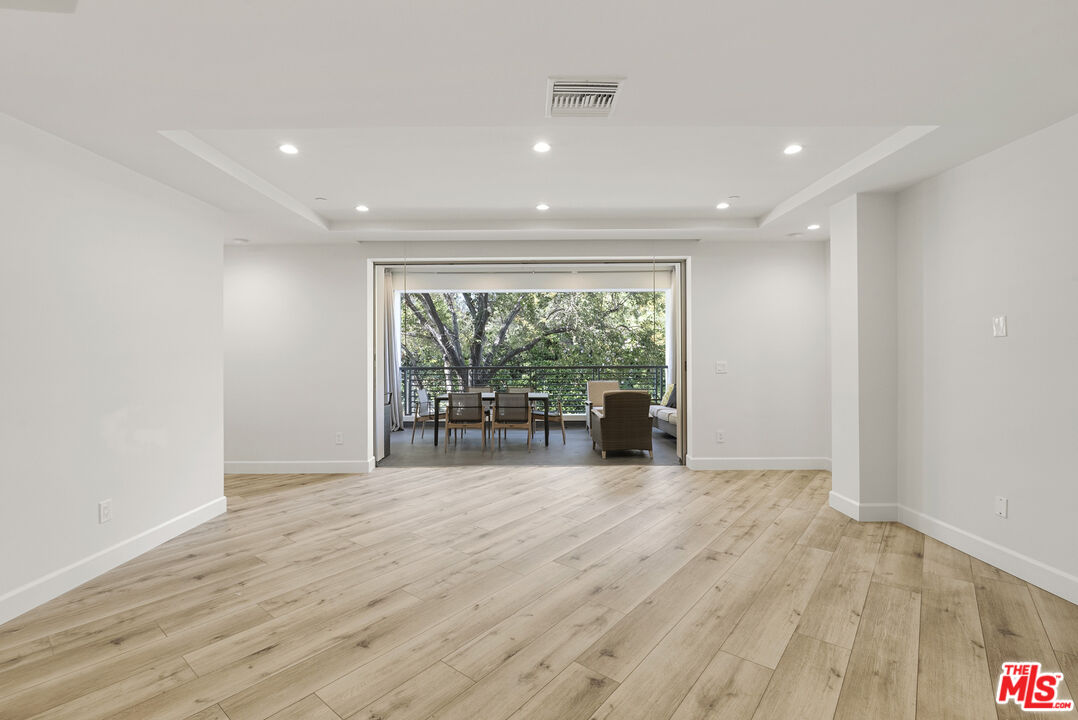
{"x":564,"y":593}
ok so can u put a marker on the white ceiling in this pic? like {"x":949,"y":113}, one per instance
{"x":428,"y":173}
{"x":426,"y":110}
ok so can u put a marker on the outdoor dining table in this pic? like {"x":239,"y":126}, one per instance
{"x":489,"y":397}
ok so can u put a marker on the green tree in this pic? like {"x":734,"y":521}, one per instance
{"x":487,"y":329}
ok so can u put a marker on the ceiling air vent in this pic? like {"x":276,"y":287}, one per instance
{"x":569,"y":97}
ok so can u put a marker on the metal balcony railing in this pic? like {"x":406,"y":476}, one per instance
{"x":567,"y":383}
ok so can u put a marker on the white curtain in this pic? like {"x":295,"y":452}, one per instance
{"x":676,"y":360}
{"x":393,"y":355}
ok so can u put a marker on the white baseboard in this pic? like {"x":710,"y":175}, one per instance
{"x":36,"y":592}
{"x":863,"y":512}
{"x":1052,"y":579}
{"x":1029,"y":569}
{"x":298,"y":467}
{"x":758,"y":463}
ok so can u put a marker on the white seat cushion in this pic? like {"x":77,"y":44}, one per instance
{"x":667,"y":414}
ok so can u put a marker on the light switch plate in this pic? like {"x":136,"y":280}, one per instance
{"x":720,"y":367}
{"x":999,"y":326}
{"x":1001,"y":506}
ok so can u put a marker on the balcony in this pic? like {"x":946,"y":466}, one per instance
{"x":567,"y":383}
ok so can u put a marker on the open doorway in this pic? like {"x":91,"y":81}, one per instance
{"x":563,"y":332}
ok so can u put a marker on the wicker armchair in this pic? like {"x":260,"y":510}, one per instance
{"x":594,"y":399}
{"x":623,"y":422}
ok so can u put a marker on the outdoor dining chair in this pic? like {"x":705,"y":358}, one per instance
{"x":465,"y":411}
{"x":424,"y":413}
{"x":512,"y":411}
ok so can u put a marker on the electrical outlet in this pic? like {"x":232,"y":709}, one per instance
{"x":720,"y":367}
{"x":339,"y":439}
{"x":720,"y":436}
{"x":1001,"y":506}
{"x":104,"y":511}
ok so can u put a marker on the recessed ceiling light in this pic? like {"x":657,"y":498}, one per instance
{"x":793,"y":149}
{"x":320,"y":199}
{"x":813,"y":226}
{"x":793,"y":234}
{"x":541,"y":147}
{"x":722,"y":206}
{"x":362,"y":208}
{"x":288,"y":149}
{"x":733,"y":197}
{"x":240,"y":241}
{"x":542,"y":207}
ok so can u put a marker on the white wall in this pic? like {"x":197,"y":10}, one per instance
{"x":296,"y":359}
{"x":863,"y":351}
{"x":877,"y":230}
{"x":297,"y":369}
{"x":111,"y":365}
{"x":981,"y":416}
{"x":845,"y":355}
{"x":761,"y":307}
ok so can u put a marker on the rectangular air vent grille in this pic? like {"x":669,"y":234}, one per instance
{"x":582,"y":98}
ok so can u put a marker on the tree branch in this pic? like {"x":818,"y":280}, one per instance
{"x":481,"y":316}
{"x":451,"y":303}
{"x":468,"y":300}
{"x":432,"y":323}
{"x":506,"y":323}
{"x":532,"y":343}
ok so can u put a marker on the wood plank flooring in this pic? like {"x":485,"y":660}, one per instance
{"x":569,"y":593}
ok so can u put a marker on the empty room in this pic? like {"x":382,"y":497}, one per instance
{"x":568,"y":361}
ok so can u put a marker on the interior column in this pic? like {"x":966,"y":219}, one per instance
{"x":864,"y":369}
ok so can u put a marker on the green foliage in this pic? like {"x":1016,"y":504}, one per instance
{"x":535,"y":328}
